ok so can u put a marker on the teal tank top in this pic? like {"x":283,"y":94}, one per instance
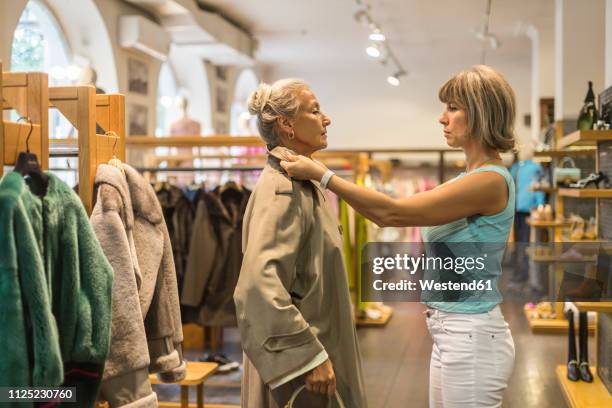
{"x":476,"y":229}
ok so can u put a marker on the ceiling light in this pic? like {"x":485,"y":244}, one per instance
{"x":377,"y":35}
{"x":373,"y":51}
{"x":395,"y":78}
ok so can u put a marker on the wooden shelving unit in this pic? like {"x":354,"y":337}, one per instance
{"x":548,"y":190}
{"x":580,"y":394}
{"x":585,"y":192}
{"x":569,"y":152}
{"x":548,"y":224}
{"x":550,"y":326}
{"x":605,"y":307}
{"x":584,"y":138}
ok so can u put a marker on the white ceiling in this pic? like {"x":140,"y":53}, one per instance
{"x":320,"y":41}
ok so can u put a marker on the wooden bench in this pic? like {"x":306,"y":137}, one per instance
{"x":197,"y":373}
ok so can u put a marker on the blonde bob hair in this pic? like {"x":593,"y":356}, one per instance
{"x":269,"y":102}
{"x":489,"y":104}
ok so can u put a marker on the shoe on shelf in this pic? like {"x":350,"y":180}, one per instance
{"x":591,"y":229}
{"x":572,"y":371}
{"x":577,"y":232}
{"x":585,"y":372}
{"x":225,"y":364}
{"x":599,"y":180}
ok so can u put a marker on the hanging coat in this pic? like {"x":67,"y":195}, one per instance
{"x":178,"y":215}
{"x":215,"y":258}
{"x":79,"y":282}
{"x":146,"y":323}
{"x":292,"y":298}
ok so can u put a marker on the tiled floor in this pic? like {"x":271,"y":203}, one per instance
{"x":396,"y":364}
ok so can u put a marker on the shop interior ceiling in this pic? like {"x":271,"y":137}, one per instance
{"x":321,"y":41}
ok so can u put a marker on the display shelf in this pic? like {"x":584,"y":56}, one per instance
{"x":548,"y":190}
{"x":548,"y":224}
{"x":550,"y":326}
{"x":558,"y":258}
{"x":580,"y":394}
{"x":605,"y":307}
{"x":367,"y":322}
{"x":584,"y":138}
{"x":583,"y":151}
{"x":585,"y":192}
{"x":584,"y":241}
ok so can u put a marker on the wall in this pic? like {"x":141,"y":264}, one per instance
{"x":404,"y":116}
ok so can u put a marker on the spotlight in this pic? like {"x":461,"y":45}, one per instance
{"x":395,"y":78}
{"x":373,"y":51}
{"x":377,"y":35}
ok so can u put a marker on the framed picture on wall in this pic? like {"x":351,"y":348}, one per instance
{"x":221,"y":100}
{"x":138,"y":119}
{"x":138,"y":76}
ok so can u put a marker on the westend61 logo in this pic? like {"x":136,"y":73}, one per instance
{"x":413,"y":264}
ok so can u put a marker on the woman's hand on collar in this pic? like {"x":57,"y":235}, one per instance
{"x":302,"y":168}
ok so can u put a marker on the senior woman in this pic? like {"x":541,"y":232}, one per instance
{"x":292,"y":298}
{"x":473,"y":350}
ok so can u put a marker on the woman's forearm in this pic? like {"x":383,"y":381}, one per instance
{"x":372,"y":204}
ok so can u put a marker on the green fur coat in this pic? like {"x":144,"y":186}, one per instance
{"x":55,"y":290}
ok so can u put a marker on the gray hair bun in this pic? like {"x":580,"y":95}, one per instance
{"x":258,"y":99}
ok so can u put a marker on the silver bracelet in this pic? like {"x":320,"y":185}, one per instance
{"x":326,"y":177}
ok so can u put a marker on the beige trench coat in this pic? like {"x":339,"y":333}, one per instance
{"x":292,"y":298}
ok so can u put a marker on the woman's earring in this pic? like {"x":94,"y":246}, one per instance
{"x":292,"y":135}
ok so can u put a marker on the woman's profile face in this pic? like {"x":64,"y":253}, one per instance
{"x":310,"y":123}
{"x":455,"y":125}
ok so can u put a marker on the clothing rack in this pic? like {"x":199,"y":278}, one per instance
{"x":27,"y":94}
{"x":84,"y":109}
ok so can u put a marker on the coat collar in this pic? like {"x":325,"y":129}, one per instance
{"x":144,"y":199}
{"x":280,"y":153}
{"x":138,"y":196}
{"x":111,"y":175}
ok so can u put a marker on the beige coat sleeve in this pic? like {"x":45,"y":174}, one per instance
{"x":275,"y":336}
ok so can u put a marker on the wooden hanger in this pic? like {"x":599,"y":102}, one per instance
{"x":114,"y":161}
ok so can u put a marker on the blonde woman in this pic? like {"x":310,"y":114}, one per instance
{"x":473,"y":350}
{"x":292,"y":298}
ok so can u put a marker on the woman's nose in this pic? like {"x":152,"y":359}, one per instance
{"x":326,"y":120}
{"x":443,"y":119}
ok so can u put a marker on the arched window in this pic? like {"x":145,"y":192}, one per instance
{"x":167,"y":102}
{"x":242,"y":123}
{"x":40,"y":45}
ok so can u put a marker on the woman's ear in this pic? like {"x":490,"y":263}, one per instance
{"x":284,"y":125}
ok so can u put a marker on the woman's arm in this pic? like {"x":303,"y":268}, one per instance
{"x":481,"y":193}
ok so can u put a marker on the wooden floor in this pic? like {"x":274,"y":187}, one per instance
{"x":396,"y":363}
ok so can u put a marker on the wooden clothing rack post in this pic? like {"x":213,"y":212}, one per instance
{"x":26,"y":93}
{"x":84,"y":109}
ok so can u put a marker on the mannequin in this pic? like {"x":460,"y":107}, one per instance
{"x":578,"y":369}
{"x":89,"y":76}
{"x":524,"y":172}
{"x":185,"y":125}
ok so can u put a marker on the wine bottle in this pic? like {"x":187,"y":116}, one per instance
{"x":588,"y":114}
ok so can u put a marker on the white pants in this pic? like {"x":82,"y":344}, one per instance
{"x":471,"y":360}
